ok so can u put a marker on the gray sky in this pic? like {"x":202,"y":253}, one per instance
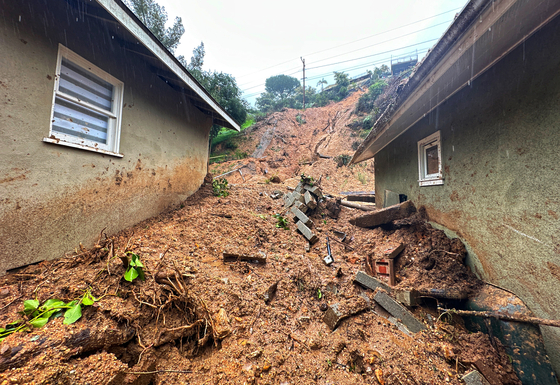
{"x":253,"y":40}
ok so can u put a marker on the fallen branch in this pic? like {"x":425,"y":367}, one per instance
{"x":503,"y":317}
{"x":229,"y":172}
{"x":161,"y":371}
{"x":357,"y":206}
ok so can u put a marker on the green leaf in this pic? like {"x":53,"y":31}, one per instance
{"x":52,"y":303}
{"x":130,"y":274}
{"x":87,"y":301}
{"x":135,"y":261}
{"x":141,"y":273}
{"x":73,"y":314}
{"x":39,"y":322}
{"x":30,"y":306}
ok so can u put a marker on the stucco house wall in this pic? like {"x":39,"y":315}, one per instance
{"x":53,"y":197}
{"x":500,"y":141}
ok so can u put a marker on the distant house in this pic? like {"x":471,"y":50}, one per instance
{"x":100,"y":126}
{"x":474,"y":139}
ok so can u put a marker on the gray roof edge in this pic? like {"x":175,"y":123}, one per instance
{"x":129,"y":21}
{"x":459,"y":26}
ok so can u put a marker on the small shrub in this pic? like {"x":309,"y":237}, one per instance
{"x":281,"y":222}
{"x":220,"y":187}
{"x":342,"y":160}
{"x":241,"y":154}
{"x":300,"y":119}
{"x":306,"y":180}
{"x":135,"y":268}
{"x":362,"y":178}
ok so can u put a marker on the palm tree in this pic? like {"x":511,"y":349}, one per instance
{"x":321,"y":82}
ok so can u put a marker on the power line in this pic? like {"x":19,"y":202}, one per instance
{"x":354,"y":41}
{"x":346,"y":61}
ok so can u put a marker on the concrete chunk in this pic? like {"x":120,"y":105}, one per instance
{"x":309,"y":200}
{"x":298,"y":197}
{"x":314,"y":190}
{"x":340,"y":310}
{"x":300,"y":206}
{"x":289,"y":199}
{"x":312,"y":238}
{"x":299,"y":188}
{"x":370,"y":282}
{"x":398,"y":311}
{"x":302,"y":217}
{"x":385,"y":216}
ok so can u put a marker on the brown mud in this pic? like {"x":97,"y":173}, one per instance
{"x":196,"y":319}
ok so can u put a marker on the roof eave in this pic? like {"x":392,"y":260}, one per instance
{"x":435,"y":80}
{"x":128,"y":20}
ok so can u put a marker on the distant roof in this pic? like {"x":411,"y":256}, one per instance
{"x":482,"y":33}
{"x":177,"y":75}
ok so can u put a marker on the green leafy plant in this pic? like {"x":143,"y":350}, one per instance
{"x":319,"y":294}
{"x":135,"y":268}
{"x":220,"y":187}
{"x":342,"y":160}
{"x":281,"y":222}
{"x":38,"y":315}
{"x":306,"y":179}
{"x":300,"y":119}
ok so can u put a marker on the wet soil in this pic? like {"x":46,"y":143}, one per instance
{"x":197,"y":319}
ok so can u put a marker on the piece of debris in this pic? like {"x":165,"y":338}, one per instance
{"x":408,"y":297}
{"x":384,"y":269}
{"x":232,"y":256}
{"x":390,"y":250}
{"x":333,"y":208}
{"x":301,"y":217}
{"x":341,"y":310}
{"x":309,"y":201}
{"x":307,"y":233}
{"x":475,"y":378}
{"x":370,"y":282}
{"x":222,"y":327}
{"x":275,"y":179}
{"x":361,"y":198}
{"x":276,"y":194}
{"x":398,"y":311}
{"x":270,"y":292}
{"x":444,"y":293}
{"x":384,"y":216}
{"x":357,"y":206}
{"x":329,"y":258}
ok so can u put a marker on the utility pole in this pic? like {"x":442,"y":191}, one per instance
{"x":303,"y":61}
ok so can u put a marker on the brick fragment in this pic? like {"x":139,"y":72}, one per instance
{"x":309,"y":200}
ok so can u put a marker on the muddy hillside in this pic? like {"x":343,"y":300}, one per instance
{"x":237,"y":285}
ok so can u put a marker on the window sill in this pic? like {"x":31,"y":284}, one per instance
{"x":430,"y":182}
{"x":74,"y":145}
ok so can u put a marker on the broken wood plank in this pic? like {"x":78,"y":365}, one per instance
{"x":232,"y":256}
{"x":357,"y":206}
{"x":361,"y":198}
{"x":384,"y":216}
{"x":390,"y":250}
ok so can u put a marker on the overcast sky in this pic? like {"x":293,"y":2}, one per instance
{"x":253,"y":40}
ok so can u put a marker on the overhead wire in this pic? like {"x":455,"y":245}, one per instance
{"x":354,"y":41}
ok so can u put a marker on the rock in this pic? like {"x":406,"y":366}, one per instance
{"x":275,"y":179}
{"x":475,"y":378}
{"x":276,"y":194}
{"x":344,"y":309}
{"x":222,"y":328}
{"x":333,"y":208}
{"x":270,"y":292}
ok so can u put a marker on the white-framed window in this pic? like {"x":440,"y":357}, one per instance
{"x":87,"y":105}
{"x":429,"y":160}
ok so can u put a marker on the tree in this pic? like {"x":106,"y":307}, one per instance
{"x":281,"y":86}
{"x":155,"y":17}
{"x":197,"y":59}
{"x":321,"y":83}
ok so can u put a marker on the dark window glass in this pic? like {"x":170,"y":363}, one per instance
{"x":432,"y":160}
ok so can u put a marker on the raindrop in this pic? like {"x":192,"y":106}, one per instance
{"x":20,"y":18}
{"x":112,"y":37}
{"x":76,"y":19}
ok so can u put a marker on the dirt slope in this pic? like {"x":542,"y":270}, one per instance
{"x":196,"y":319}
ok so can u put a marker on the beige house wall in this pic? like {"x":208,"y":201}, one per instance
{"x":53,"y":197}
